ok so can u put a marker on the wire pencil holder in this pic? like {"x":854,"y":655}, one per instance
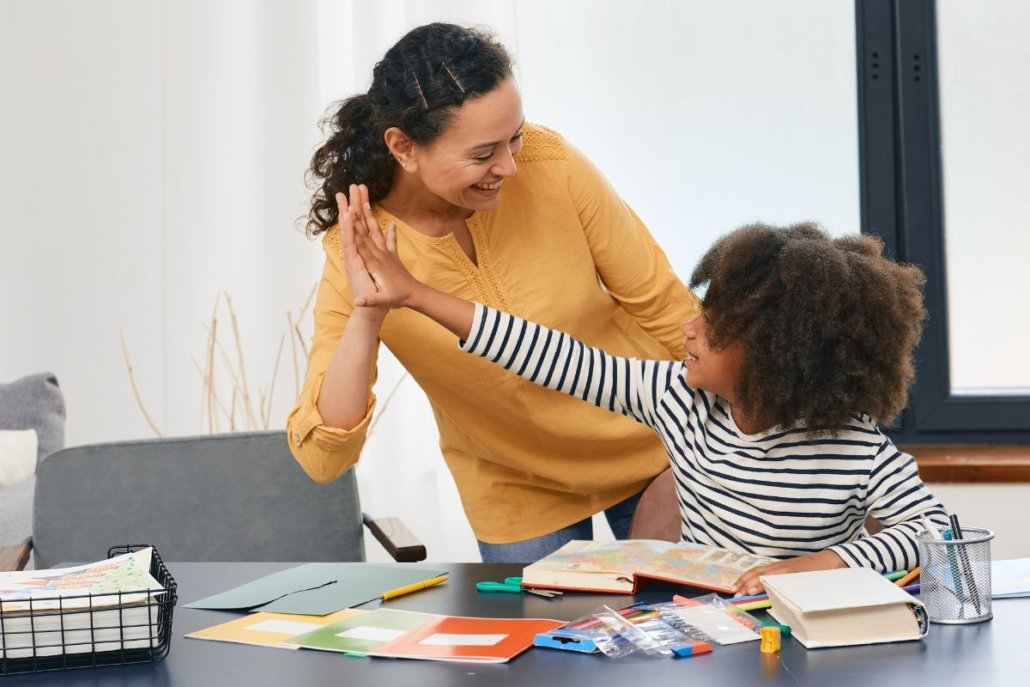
{"x":90,"y":630}
{"x":955,"y":576}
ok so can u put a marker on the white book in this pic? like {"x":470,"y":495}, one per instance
{"x":844,"y":607}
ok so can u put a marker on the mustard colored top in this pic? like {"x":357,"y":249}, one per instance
{"x":562,"y":249}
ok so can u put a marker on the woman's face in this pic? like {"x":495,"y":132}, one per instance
{"x":466,"y":165}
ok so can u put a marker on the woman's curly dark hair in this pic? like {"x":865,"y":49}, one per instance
{"x":417,"y":87}
{"x":828,"y":325}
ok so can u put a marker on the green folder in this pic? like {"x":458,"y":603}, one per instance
{"x":316,"y":588}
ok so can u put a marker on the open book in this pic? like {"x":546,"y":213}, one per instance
{"x":844,"y":607}
{"x":619,"y":566}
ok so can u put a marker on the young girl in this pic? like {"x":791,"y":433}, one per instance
{"x":805,"y":343}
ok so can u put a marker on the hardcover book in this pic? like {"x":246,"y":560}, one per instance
{"x":844,"y":607}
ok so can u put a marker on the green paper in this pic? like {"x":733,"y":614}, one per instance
{"x":367,"y":631}
{"x":316,"y":588}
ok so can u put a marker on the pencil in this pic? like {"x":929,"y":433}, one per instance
{"x":901,"y":582}
{"x":408,"y":589}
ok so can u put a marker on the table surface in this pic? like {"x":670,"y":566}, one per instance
{"x":986,"y":654}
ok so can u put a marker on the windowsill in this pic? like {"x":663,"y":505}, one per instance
{"x":971,"y":463}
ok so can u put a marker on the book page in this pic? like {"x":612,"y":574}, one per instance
{"x":105,"y":580}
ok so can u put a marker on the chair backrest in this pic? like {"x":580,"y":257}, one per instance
{"x":658,"y":513}
{"x":229,"y":497}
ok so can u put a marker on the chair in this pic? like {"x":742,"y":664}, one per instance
{"x":657,"y":515}
{"x":229,"y":497}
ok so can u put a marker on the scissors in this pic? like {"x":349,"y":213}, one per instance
{"x":514,"y":584}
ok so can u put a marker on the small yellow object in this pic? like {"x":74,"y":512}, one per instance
{"x":770,"y":635}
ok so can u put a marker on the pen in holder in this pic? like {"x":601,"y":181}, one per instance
{"x":955,"y":575}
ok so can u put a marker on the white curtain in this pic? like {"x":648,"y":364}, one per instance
{"x":152,"y":157}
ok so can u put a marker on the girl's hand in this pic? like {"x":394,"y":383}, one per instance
{"x":354,"y":222}
{"x":749,"y":583}
{"x":386,"y":281}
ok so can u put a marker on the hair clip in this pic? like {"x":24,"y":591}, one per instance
{"x":454,"y":78}
{"x":422,"y":95}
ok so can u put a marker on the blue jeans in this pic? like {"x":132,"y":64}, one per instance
{"x":619,"y":518}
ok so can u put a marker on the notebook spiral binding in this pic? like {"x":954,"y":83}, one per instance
{"x":88,"y":636}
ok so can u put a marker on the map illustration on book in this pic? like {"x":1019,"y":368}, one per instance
{"x":618,"y":566}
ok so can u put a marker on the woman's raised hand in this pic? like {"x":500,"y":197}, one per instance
{"x":353,"y":223}
{"x":371,"y":258}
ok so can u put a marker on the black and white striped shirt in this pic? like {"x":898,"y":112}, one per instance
{"x":780,"y":493}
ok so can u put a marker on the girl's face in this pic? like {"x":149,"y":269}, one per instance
{"x":467,"y":164}
{"x":715,"y":371}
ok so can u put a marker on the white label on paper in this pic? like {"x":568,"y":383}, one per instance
{"x":375,"y":634}
{"x":442,"y":639}
{"x":286,"y":627}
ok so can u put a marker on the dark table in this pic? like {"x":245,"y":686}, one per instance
{"x":983,"y":655}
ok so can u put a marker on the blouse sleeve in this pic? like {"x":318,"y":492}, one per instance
{"x":324,"y":452}
{"x":631,"y":265}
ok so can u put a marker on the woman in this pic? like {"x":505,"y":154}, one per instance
{"x":437,"y":140}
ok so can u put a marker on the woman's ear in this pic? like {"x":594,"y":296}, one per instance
{"x":401,"y":147}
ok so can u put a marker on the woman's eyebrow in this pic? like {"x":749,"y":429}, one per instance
{"x":493,"y":143}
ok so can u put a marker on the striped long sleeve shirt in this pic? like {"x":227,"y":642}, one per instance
{"x":779,"y":493}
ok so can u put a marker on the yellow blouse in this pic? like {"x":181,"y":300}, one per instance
{"x":560,"y":249}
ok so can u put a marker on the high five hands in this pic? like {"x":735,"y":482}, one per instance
{"x":378,"y":278}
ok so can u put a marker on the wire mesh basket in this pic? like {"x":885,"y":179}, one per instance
{"x":89,"y":630}
{"x":955,"y":576}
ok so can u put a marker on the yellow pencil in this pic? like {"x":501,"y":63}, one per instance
{"x":909,"y":577}
{"x":408,"y":589}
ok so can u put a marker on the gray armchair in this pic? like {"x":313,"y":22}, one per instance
{"x":229,"y":497}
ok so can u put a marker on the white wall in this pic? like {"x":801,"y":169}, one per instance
{"x":991,"y":506}
{"x":152,"y":156}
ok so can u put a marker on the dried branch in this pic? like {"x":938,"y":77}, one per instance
{"x":135,"y":388}
{"x":311,"y":296}
{"x":209,"y":377}
{"x":267,"y":415}
{"x":293,"y":352}
{"x":385,"y":405}
{"x":248,"y":405}
{"x":218,"y":401}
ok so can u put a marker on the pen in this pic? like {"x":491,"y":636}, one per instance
{"x":956,"y":532}
{"x":408,"y":589}
{"x":930,"y":528}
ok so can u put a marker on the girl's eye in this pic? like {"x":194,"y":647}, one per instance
{"x":484,"y":158}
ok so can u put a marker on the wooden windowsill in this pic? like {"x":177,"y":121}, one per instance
{"x":971,"y":463}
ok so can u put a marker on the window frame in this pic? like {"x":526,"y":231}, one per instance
{"x":901,"y":201}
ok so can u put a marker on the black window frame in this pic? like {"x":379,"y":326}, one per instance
{"x":901,"y":201}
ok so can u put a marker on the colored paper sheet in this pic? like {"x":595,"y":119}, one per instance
{"x":451,"y":638}
{"x":365,"y":633}
{"x":270,"y":629}
{"x":316,"y":588}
